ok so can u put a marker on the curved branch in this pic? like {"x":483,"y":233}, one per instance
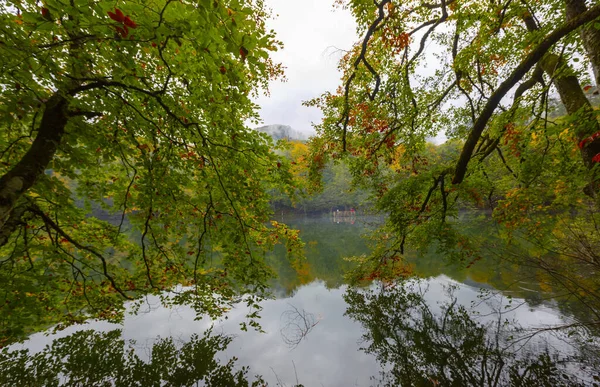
{"x":50,"y":223}
{"x":361,"y":58}
{"x":14,"y":183}
{"x":535,"y":56}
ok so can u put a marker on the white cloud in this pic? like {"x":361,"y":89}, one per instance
{"x":310,"y":31}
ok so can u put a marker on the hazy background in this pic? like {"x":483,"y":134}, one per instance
{"x":312,"y":31}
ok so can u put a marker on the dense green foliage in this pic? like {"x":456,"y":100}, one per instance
{"x":134,"y":111}
{"x":484,"y":75}
{"x":334,"y":192}
{"x":127,"y":169}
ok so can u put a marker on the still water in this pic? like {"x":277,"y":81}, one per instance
{"x":476,"y":326}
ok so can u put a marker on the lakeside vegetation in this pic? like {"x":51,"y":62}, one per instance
{"x":128,"y":170}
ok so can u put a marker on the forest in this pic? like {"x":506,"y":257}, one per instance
{"x":130,"y":170}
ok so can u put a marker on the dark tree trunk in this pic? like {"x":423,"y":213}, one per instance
{"x":533,"y":58}
{"x":575,"y":101}
{"x":24,"y":174}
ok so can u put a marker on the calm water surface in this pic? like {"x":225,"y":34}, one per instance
{"x":320,"y":332}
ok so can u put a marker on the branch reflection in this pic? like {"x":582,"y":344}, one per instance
{"x":420,"y":342}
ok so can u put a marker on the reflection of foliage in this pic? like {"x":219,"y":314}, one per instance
{"x":570,"y":264}
{"x":418,"y":345}
{"x":281,"y":384}
{"x":298,"y":324}
{"x":88,"y":358}
{"x":327,"y":244}
{"x":560,"y":263}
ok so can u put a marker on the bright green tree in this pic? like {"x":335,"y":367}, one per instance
{"x":125,"y":164}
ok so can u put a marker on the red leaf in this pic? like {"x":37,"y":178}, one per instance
{"x":222,"y":69}
{"x":243,"y":53}
{"x":583,"y":142}
{"x":119,"y":15}
{"x":596,"y":159}
{"x":129,"y":23}
{"x":589,"y":139}
{"x":586,"y":88}
{"x":122,"y":31}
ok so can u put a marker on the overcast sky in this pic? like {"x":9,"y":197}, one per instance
{"x":311,"y":30}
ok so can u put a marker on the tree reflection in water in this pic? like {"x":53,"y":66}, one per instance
{"x":91,"y":358}
{"x":423,"y":343}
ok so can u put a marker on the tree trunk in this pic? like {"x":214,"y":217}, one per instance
{"x":533,"y":58}
{"x":590,"y":36}
{"x":575,"y":101}
{"x":24,"y":174}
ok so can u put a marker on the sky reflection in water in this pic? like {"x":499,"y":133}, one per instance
{"x":330,"y":354}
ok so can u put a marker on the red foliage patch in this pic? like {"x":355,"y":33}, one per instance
{"x":588,"y":139}
{"x":126,"y":21}
{"x":117,"y":15}
{"x":129,"y":23}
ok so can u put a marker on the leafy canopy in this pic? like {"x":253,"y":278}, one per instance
{"x":486,"y":76}
{"x":126,"y":166}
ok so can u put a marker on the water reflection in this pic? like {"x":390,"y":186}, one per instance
{"x":91,"y":358}
{"x":451,"y":328}
{"x":421,"y":333}
{"x":424,"y":335}
{"x":327,"y":244}
{"x":296,"y":325}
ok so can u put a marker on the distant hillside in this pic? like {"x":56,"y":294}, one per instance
{"x":278,"y":132}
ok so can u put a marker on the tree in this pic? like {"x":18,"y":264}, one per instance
{"x":332,"y":191}
{"x":484,"y":74}
{"x":126,"y":167}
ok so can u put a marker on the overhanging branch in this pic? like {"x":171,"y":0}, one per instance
{"x":518,"y":73}
{"x":359,"y":59}
{"x":51,"y":224}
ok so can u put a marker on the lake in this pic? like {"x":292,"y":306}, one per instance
{"x":490,"y":324}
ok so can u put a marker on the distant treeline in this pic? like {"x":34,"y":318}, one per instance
{"x":337,"y":194}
